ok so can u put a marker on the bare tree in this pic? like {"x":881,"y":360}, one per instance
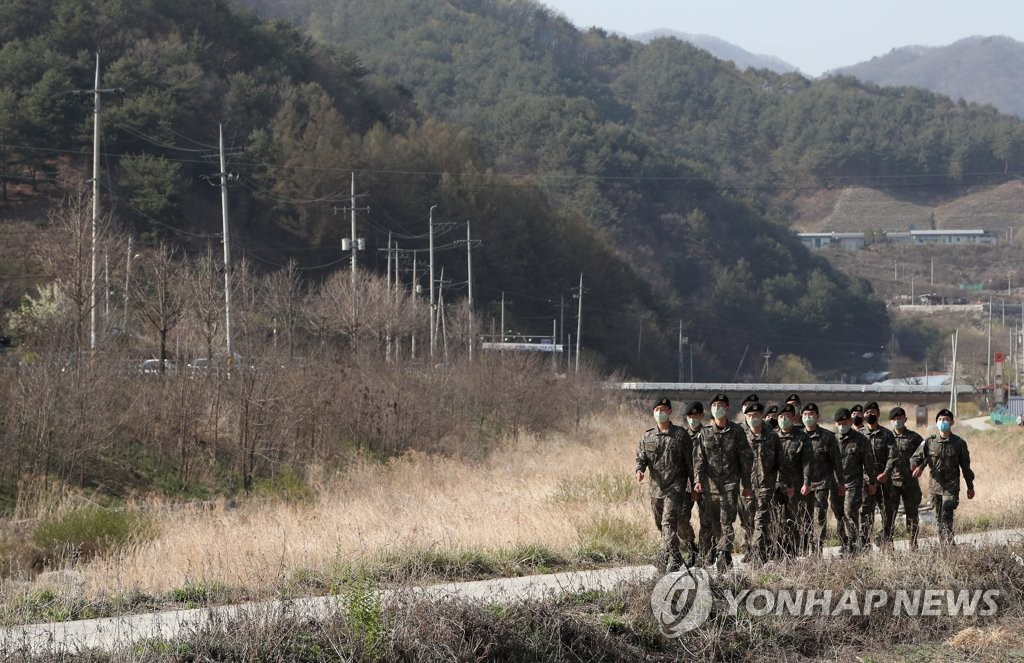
{"x":205,"y":304}
{"x":159,"y":295}
{"x":283,"y":300}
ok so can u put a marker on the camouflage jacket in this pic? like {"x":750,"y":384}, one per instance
{"x":722,"y":458}
{"x":826,"y":465}
{"x":858,"y":459}
{"x":898,"y":467}
{"x":882,"y":448}
{"x":945,"y":459}
{"x":766,"y":470}
{"x":668,"y":457}
{"x":796,"y":449}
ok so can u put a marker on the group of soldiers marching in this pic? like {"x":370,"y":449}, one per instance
{"x":780,"y":471}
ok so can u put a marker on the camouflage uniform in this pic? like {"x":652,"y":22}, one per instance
{"x":824,"y":471}
{"x":902,"y":485}
{"x":704,"y":539}
{"x":882,"y":442}
{"x":945,"y":458}
{"x":668,"y":457}
{"x":722,"y":462}
{"x":858,"y":463}
{"x":767,"y":472}
{"x":793,"y":514}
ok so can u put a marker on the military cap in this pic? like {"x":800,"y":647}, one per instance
{"x":810,"y":407}
{"x":842,"y":414}
{"x":772,"y":409}
{"x":720,"y":397}
{"x":788,"y":409}
{"x":856,"y":408}
{"x":943,"y":413}
{"x":755,"y":406}
{"x":897,"y":412}
{"x":693,"y":408}
{"x":871,"y":406}
{"x":792,"y":397}
{"x":663,"y":401}
{"x":752,"y":398}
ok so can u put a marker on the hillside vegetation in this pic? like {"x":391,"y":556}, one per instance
{"x":664,"y":175}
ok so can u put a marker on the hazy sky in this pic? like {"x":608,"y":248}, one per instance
{"x":814,"y":35}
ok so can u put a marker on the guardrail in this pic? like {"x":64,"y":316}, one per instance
{"x":769,"y":388}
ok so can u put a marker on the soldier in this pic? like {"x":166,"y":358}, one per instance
{"x":722,"y":461}
{"x":857,"y":413}
{"x":794,"y":400}
{"x":945,"y":454}
{"x":745,"y":506}
{"x":826,"y":472}
{"x":665,"y":451}
{"x":858,"y":463}
{"x":792,"y":499}
{"x":766,"y":470}
{"x":882,"y":442}
{"x":694,"y":422}
{"x":771,"y":417}
{"x":902,"y":484}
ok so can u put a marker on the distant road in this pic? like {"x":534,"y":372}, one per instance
{"x":119,"y":632}
{"x":900,"y":393}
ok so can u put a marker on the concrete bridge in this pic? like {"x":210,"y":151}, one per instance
{"x":903,"y":394}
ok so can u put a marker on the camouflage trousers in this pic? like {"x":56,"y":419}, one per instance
{"x":720,"y":513}
{"x":944,"y":505}
{"x":765,"y":540}
{"x":909,"y":491}
{"x":793,"y":521}
{"x":845,"y":509}
{"x":871,"y":505}
{"x":672,"y":517}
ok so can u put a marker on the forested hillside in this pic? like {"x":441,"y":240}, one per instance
{"x":659,"y":172}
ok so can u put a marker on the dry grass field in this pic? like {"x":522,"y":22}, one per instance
{"x":571,"y":497}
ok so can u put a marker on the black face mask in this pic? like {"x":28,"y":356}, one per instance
{"x":773,"y":424}
{"x":871,"y":419}
{"x":858,"y":421}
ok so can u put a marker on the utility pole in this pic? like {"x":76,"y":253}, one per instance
{"x":679,"y":349}
{"x":433,"y":340}
{"x":96,"y":93}
{"x":415,"y":297}
{"x":227,"y":251}
{"x":127,"y":283}
{"x":501,"y":338}
{"x":579,"y":324}
{"x":767,"y":359}
{"x":988,"y":361}
{"x":469,"y":287}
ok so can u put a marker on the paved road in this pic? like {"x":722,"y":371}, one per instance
{"x":118,"y":632}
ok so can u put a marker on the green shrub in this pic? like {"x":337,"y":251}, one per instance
{"x":86,"y":532}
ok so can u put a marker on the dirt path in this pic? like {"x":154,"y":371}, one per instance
{"x":118,"y":632}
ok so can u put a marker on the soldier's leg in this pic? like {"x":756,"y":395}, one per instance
{"x":821,"y":500}
{"x":687,"y":536}
{"x":673,"y":508}
{"x":949,"y":505}
{"x":657,"y":509}
{"x":853,"y":503}
{"x":892,"y":504}
{"x":867,"y":518}
{"x":939,"y":522}
{"x":714,"y":509}
{"x":706,"y":537}
{"x":745,"y":510}
{"x":762,"y":545}
{"x":911,"y":505}
{"x":804,"y":507}
{"x":728,"y":518}
{"x":839,"y":511}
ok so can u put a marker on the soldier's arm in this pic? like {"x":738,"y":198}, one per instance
{"x":920,"y":457}
{"x":687,"y":456}
{"x":965,"y":465}
{"x":837,"y":461}
{"x":785,"y":467}
{"x":746,"y":461}
{"x":700,"y":461}
{"x":641,"y":457}
{"x":891,"y":462}
{"x":806,"y":457}
{"x":868,"y":454}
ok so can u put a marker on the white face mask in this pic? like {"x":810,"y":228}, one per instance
{"x":785,"y":423}
{"x":660,"y":416}
{"x":899,"y":425}
{"x":844,"y":429}
{"x":693,"y":422}
{"x":718,"y":412}
{"x":810,"y":420}
{"x":755,"y":422}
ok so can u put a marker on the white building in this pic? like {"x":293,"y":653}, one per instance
{"x":846,"y":241}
